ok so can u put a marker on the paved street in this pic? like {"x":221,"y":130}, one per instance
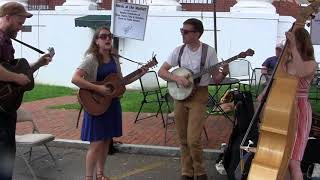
{"x":120,"y":166}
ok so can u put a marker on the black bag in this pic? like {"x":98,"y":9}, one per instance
{"x":112,"y":149}
{"x":310,"y":157}
{"x":315,"y":126}
{"x":243,"y":114}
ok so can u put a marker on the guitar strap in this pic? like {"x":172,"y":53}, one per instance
{"x":79,"y":114}
{"x":204,"y":53}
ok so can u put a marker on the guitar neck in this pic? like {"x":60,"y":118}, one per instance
{"x":127,"y":78}
{"x":35,"y":67}
{"x":210,"y":69}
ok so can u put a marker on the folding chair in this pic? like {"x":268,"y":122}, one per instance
{"x":259,"y":80}
{"x":314,"y":91}
{"x":151,"y":92}
{"x":241,"y":69}
{"x":31,"y":140}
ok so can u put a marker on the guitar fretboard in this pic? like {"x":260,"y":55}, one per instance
{"x":210,"y":69}
{"x":126,"y":79}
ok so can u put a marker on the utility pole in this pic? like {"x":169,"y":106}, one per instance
{"x":215,"y":26}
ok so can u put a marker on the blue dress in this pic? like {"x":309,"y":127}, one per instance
{"x":108,"y":124}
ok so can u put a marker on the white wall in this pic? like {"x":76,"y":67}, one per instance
{"x":56,"y":29}
{"x":236,"y":33}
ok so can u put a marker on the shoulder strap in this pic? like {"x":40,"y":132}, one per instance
{"x":203,"y":55}
{"x":180,"y":54}
{"x":79,"y":114}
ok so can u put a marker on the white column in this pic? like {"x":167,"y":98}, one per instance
{"x":78,"y":5}
{"x":23,"y":2}
{"x":254,"y":6}
{"x":164,"y":5}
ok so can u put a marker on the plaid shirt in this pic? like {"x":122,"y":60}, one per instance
{"x":6,"y":48}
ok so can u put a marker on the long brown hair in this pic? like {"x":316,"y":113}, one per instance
{"x":94,"y":48}
{"x":304,"y":44}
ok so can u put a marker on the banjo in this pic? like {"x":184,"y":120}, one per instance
{"x":181,"y":93}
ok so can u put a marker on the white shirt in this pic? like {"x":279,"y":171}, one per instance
{"x":192,"y":60}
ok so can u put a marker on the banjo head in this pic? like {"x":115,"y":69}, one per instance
{"x":180,"y":92}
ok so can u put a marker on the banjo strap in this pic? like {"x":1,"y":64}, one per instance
{"x":203,"y":58}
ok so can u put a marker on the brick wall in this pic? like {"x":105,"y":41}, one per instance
{"x":287,"y":9}
{"x":283,"y":8}
{"x":106,"y":4}
{"x":221,"y":6}
{"x":53,"y":3}
{"x":33,"y":4}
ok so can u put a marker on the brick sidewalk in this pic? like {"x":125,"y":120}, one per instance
{"x":62,"y":123}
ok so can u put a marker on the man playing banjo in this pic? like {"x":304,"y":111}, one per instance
{"x":190,"y":112}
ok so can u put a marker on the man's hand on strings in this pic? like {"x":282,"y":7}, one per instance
{"x":225,"y":69}
{"x":182,"y":81}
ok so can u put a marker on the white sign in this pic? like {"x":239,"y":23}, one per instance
{"x":315,"y":30}
{"x":130,"y":20}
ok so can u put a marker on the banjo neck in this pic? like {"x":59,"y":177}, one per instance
{"x":210,"y":69}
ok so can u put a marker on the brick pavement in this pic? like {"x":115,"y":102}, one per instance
{"x":62,"y":123}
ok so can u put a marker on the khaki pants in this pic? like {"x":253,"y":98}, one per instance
{"x":189,"y":119}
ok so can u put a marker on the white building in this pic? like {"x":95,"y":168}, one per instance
{"x":250,"y":24}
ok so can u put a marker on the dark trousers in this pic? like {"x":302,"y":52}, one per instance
{"x":7,"y":144}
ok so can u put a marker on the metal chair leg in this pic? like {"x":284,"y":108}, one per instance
{"x":142,"y":103}
{"x":166,"y":131}
{"x":53,"y":159}
{"x":160,"y":110}
{"x":205,"y":132}
{"x":29,"y":167}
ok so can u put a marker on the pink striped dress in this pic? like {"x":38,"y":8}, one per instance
{"x":304,"y":119}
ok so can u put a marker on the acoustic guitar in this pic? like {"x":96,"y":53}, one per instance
{"x":277,"y":130}
{"x":11,"y":94}
{"x":95,"y":103}
{"x":182,"y":93}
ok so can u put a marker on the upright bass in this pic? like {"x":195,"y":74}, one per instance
{"x":276,"y":134}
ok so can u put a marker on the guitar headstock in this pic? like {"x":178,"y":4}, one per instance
{"x":51,"y":52}
{"x":248,"y":52}
{"x":153,"y":62}
{"x":308,"y":12}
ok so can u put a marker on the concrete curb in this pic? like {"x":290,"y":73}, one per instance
{"x":210,"y":154}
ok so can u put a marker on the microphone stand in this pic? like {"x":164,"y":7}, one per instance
{"x":118,"y":55}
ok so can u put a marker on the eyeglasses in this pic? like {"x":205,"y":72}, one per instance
{"x":185,"y":32}
{"x":105,"y":36}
